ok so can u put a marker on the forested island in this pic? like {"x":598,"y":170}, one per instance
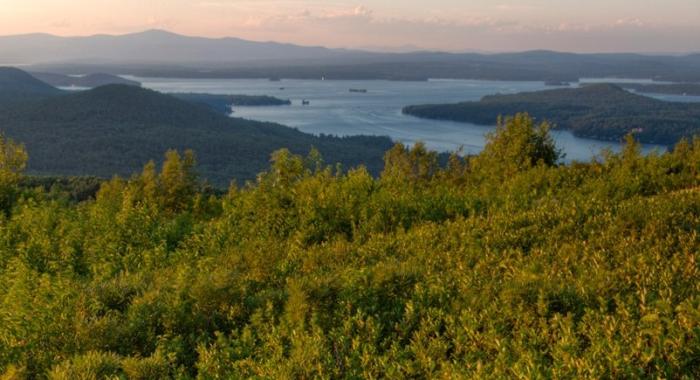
{"x":223,"y":103}
{"x":598,"y":111}
{"x":114,"y":129}
{"x":689,"y":89}
{"x":507,"y":264}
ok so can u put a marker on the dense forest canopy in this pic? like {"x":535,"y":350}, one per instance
{"x":600,"y":111}
{"x":508,"y":264}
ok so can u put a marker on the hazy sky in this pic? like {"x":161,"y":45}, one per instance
{"x":571,"y":25}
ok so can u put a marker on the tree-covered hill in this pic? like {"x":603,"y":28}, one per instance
{"x":114,"y":129}
{"x":601,"y":111}
{"x":504,"y":265}
{"x":17,"y":85}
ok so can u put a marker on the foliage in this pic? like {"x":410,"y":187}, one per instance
{"x":75,"y":189}
{"x":517,"y":145}
{"x":533,"y":270}
{"x":13,"y":160}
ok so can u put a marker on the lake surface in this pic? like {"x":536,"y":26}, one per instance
{"x":335,"y":110}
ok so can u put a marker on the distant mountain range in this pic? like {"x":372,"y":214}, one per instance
{"x":165,"y":54}
{"x":116,"y":129}
{"x":153,"y":46}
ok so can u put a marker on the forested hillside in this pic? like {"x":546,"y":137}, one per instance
{"x":503,"y":265}
{"x":600,"y":111}
{"x":114,"y":129}
{"x":17,"y":85}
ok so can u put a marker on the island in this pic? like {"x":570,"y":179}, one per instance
{"x":683,"y":89}
{"x":83,"y":81}
{"x":556,"y":83}
{"x":599,"y":111}
{"x":223,"y":103}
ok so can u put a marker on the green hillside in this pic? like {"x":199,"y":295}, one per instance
{"x":508,"y":265}
{"x":17,"y":85}
{"x":114,"y":129}
{"x":601,"y":111}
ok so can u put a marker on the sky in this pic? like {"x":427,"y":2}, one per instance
{"x":451,"y":25}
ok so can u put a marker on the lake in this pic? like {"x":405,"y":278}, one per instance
{"x":333,"y":109}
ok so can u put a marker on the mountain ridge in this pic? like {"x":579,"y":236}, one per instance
{"x":165,"y":54}
{"x":153,"y":45}
{"x":18,"y":85}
